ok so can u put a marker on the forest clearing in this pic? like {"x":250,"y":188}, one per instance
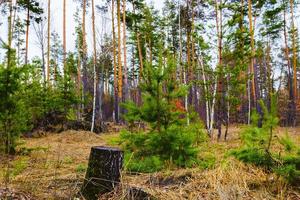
{"x":149,"y":99}
{"x":51,"y":170}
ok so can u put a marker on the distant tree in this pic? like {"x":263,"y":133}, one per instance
{"x":33,"y":11}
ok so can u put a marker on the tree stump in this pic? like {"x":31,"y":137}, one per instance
{"x":103,"y":172}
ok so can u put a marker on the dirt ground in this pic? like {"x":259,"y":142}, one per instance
{"x":53,"y":167}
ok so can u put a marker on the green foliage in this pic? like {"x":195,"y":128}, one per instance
{"x":81,"y":168}
{"x":169,"y":139}
{"x":207,"y":161}
{"x":147,"y":164}
{"x":257,"y":147}
{"x":26,"y":99}
{"x":19,"y":166}
{"x":12,"y":109}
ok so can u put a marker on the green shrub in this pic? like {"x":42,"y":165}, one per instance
{"x":81,"y":168}
{"x":170,"y":140}
{"x":19,"y":166}
{"x":146,"y":164}
{"x":257,"y":142}
{"x":207,"y":161}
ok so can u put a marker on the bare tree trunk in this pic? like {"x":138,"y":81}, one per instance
{"x":125,"y":53}
{"x":180,"y":44}
{"x":212,"y":112}
{"x":94,"y":66}
{"x":64,"y":36}
{"x":48,"y":46}
{"x":120,"y":74}
{"x":84,"y":56}
{"x":9,"y":33}
{"x":186,"y":72}
{"x":291,"y":111}
{"x":116,"y":99}
{"x":251,"y":30}
{"x":140,"y":54}
{"x":294,"y":41}
{"x":27,"y":32}
{"x":220,"y":100}
{"x":207,"y":110}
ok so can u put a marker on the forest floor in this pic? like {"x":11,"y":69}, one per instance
{"x":53,"y":167}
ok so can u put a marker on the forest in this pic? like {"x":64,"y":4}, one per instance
{"x":141,"y":99}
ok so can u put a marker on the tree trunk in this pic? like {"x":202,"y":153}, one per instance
{"x":125,"y":53}
{"x":294,"y":41}
{"x":64,"y":36}
{"x":290,"y":114}
{"x":120,"y":74}
{"x":251,"y":30}
{"x":103,"y":173}
{"x":9,"y":34}
{"x":48,"y":47}
{"x":94,"y":66}
{"x":116,"y":100}
{"x":84,"y":56}
{"x":220,"y":100}
{"x":27,"y":33}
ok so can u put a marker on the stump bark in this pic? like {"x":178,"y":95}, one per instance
{"x":103,"y":172}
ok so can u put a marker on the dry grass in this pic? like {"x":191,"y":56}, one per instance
{"x":56,"y":166}
{"x":55,"y":170}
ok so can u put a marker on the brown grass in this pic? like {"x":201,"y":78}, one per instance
{"x":55,"y":170}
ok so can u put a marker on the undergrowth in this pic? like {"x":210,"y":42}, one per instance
{"x":283,"y":160}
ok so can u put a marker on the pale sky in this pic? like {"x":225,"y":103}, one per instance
{"x":102,"y":25}
{"x":57,"y":24}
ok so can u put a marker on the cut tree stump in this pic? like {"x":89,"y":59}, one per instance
{"x":103,"y":172}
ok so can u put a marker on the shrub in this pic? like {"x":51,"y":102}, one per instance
{"x":170,"y":139}
{"x":257,"y":149}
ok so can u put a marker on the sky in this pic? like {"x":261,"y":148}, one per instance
{"x":102,"y":24}
{"x":57,"y":24}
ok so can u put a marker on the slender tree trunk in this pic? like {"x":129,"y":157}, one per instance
{"x":79,"y":85}
{"x":291,"y":114}
{"x":220,"y":100}
{"x":269,"y":74}
{"x":287,"y":51}
{"x":94,"y":66}
{"x":27,"y":32}
{"x":228,"y":109}
{"x":120,"y":74}
{"x":187,"y":71}
{"x":212,"y":110}
{"x":251,"y":30}
{"x":180,"y":44}
{"x":125,"y":53}
{"x":6,"y":121}
{"x":49,"y":38}
{"x":140,"y":54}
{"x":64,"y":36}
{"x":9,"y":33}
{"x":207,"y":110}
{"x":294,"y":41}
{"x":43,"y":61}
{"x":84,"y":56}
{"x":116,"y":100}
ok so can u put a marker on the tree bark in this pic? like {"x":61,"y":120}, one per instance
{"x":64,"y":36}
{"x":120,"y":73}
{"x":48,"y":46}
{"x":251,"y":30}
{"x":294,"y":41}
{"x":103,"y":173}
{"x":27,"y":32}
{"x":116,"y":100}
{"x":94,"y":66}
{"x":125,"y":53}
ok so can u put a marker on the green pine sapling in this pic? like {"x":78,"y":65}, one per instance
{"x":169,"y":140}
